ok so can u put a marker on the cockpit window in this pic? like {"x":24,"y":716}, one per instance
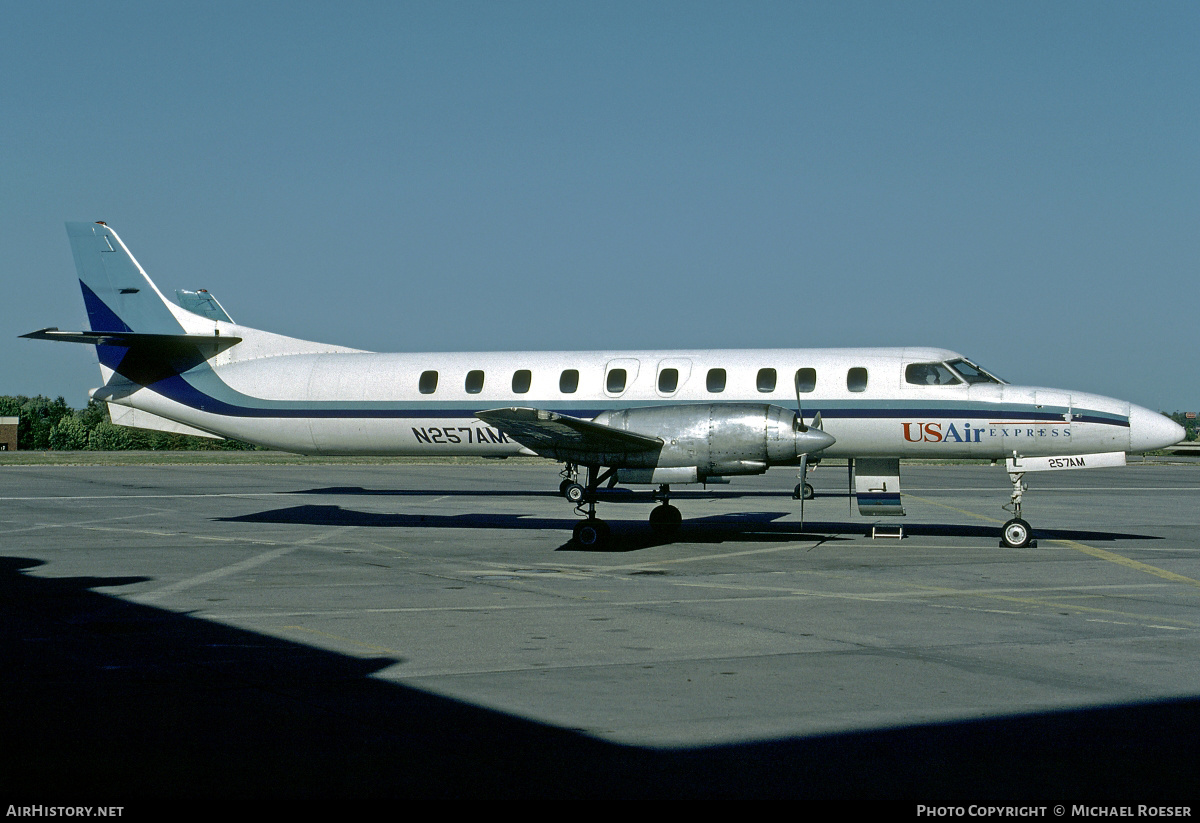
{"x":929,"y":374}
{"x":972,"y":373}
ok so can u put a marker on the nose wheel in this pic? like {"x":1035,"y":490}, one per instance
{"x":1017,"y":533}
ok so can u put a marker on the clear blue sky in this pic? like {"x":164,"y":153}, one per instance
{"x":1016,"y":181}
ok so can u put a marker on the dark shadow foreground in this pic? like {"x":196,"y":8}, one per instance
{"x":109,"y":702}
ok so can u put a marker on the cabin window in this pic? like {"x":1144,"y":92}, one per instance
{"x":668,"y":381}
{"x":521,"y":380}
{"x":716,"y":380}
{"x":616,"y":381}
{"x":766,"y":380}
{"x":929,"y":374}
{"x":428,"y":382}
{"x":806,"y":380}
{"x":856,"y":379}
{"x":568,"y":381}
{"x":474,"y":382}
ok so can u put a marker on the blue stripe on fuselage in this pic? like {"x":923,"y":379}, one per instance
{"x":204,"y":390}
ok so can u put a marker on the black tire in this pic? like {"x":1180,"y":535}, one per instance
{"x":590,"y":534}
{"x":665,"y":518}
{"x":574,"y":492}
{"x":803,"y":490}
{"x":1016,"y":534}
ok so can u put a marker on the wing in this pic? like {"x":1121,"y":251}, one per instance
{"x":561,"y":437}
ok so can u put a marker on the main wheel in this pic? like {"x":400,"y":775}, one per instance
{"x":1016,"y":533}
{"x":665,"y":518}
{"x":574,"y":492}
{"x":591,"y":533}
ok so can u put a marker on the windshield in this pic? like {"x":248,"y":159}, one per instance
{"x":972,"y":373}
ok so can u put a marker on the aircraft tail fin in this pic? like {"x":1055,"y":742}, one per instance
{"x":137,"y":332}
{"x":118,"y":295}
{"x":142,"y":336}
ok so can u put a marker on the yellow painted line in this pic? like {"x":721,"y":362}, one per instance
{"x":1099,"y":554}
{"x":953,"y":508}
{"x":1129,"y":563}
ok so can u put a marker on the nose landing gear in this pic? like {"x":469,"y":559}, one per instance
{"x":1017,"y":533}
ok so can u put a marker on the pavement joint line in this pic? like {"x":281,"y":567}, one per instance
{"x":233,"y":568}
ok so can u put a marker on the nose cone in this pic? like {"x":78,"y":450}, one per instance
{"x":1150,"y":430}
{"x":813,"y":440}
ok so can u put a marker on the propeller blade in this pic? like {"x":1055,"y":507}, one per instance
{"x":800,"y":406}
{"x":803,"y":480}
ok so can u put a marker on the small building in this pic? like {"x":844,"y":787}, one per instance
{"x":8,"y":433}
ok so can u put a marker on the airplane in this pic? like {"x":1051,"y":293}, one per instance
{"x":653,"y":418}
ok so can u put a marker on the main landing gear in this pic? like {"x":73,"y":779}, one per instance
{"x":664,"y":518}
{"x":1017,"y":533}
{"x":592,"y":532}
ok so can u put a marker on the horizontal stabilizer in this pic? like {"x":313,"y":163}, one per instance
{"x":132,"y":339}
{"x":144,"y":359}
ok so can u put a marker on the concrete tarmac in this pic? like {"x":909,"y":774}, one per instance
{"x":397,"y":630}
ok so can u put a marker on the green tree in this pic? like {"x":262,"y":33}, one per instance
{"x":109,"y":437}
{"x":39,"y":416}
{"x":95,"y":414}
{"x":69,"y":434}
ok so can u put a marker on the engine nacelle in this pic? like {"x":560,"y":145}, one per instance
{"x":715,"y":439}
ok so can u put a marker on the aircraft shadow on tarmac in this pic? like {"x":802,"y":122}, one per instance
{"x":618,"y":494}
{"x":116,"y":701}
{"x":747,"y":527}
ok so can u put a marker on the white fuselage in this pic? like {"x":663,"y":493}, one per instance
{"x":315,"y":399}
